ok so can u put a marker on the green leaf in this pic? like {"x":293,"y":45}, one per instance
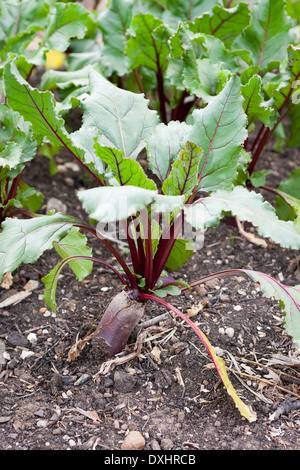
{"x":50,"y":282}
{"x":10,"y":157}
{"x":29,"y":197}
{"x":65,"y":79}
{"x":219,"y":129}
{"x":164,"y":145}
{"x":197,"y":61}
{"x":201,"y":77}
{"x":223,"y":23}
{"x":294,"y":129}
{"x":295,"y":204}
{"x":39,"y":108}
{"x":181,"y":252}
{"x":75,"y":244}
{"x":255,"y":105}
{"x":247,"y":206}
{"x":268,"y":34}
{"x":184,"y":173}
{"x":289,"y":301}
{"x":114,"y":22}
{"x":121,"y":117}
{"x":23,"y":241}
{"x":289,"y":84}
{"x":110,"y":204}
{"x":67,"y":21}
{"x":51,"y":279}
{"x":126,"y":171}
{"x":181,"y":10}
{"x":167,"y":290}
{"x":258,"y":178}
{"x":148,"y":42}
{"x":290,"y":187}
{"x":19,"y":22}
{"x":17,"y":135}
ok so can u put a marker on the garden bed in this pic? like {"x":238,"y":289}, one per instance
{"x":169,"y":392}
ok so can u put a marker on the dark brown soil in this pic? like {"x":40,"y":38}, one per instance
{"x":170,"y":392}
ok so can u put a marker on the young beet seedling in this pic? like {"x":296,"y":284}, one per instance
{"x":193,"y":182}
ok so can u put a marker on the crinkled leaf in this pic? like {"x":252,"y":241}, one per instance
{"x":39,"y":109}
{"x":19,"y":22}
{"x":110,"y":204}
{"x":126,"y":171}
{"x":268,"y":34}
{"x":183,"y":176}
{"x":181,"y":10}
{"x":255,"y":105}
{"x":15,"y":133}
{"x":220,"y":130}
{"x":223,"y":23}
{"x":247,"y":206}
{"x":10,"y":157}
{"x":23,"y":241}
{"x":201,"y":77}
{"x":164,"y":145}
{"x":65,"y":79}
{"x":148,"y":42}
{"x":114,"y":22}
{"x":68,"y":20}
{"x":196,"y":62}
{"x":121,"y":117}
{"x":289,"y":83}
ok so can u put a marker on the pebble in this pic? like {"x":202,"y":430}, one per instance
{"x":237,"y":308}
{"x":166,"y":444}
{"x":32,"y":338}
{"x":229,"y":332}
{"x":55,"y":204}
{"x":25,"y":354}
{"x":133,"y":441}
{"x":69,"y":182}
{"x":42,"y":423}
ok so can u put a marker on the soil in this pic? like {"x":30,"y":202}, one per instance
{"x":169,"y":392}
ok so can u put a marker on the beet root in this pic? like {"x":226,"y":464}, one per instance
{"x":121,"y":316}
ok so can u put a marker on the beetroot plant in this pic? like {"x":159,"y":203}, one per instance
{"x":191,"y":183}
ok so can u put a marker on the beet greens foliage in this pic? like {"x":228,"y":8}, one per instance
{"x":205,"y":78}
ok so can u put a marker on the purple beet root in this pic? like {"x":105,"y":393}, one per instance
{"x":121,"y":316}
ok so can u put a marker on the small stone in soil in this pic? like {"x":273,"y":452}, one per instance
{"x":134,"y":441}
